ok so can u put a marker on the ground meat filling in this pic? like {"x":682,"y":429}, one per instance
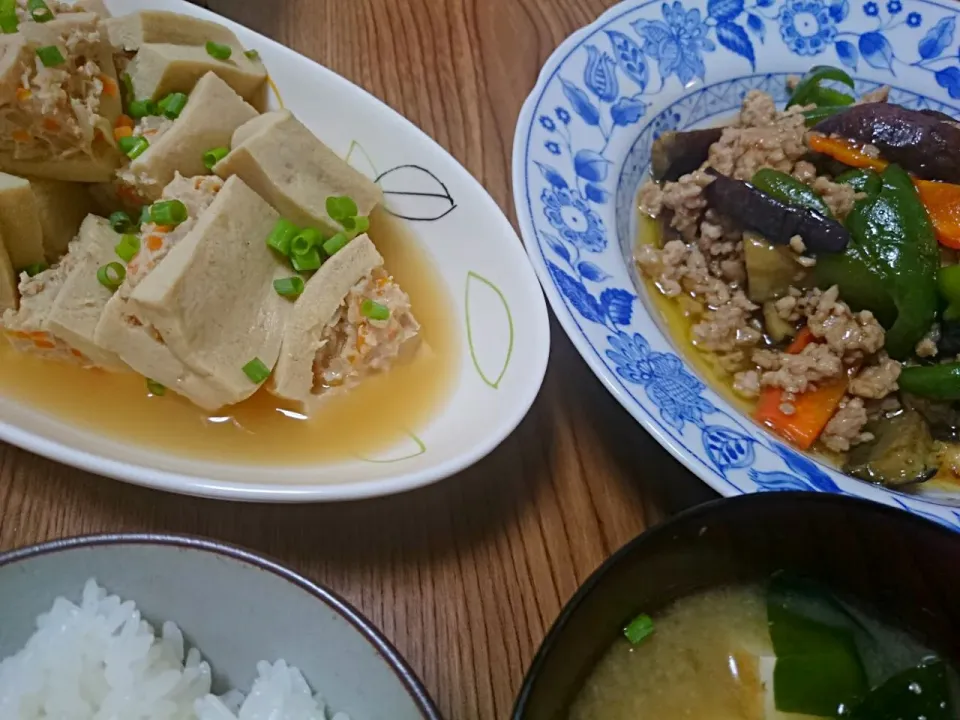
{"x":702,"y":266}
{"x":355,"y":346}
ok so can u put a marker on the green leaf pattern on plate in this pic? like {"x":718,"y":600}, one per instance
{"x":484,"y":299}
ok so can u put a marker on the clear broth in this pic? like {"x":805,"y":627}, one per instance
{"x":260,"y":431}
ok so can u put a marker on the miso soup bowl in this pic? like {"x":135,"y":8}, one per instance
{"x":901,"y":567}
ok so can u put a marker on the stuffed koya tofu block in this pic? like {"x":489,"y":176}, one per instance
{"x":351,"y":321}
{"x":171,"y":56}
{"x":198,"y":303}
{"x":290,"y":168}
{"x":59,"y":100}
{"x":212,"y":114}
{"x":61,"y":306}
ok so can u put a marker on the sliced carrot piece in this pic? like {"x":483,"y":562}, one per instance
{"x":122,"y":132}
{"x":154,"y":243}
{"x":24,"y":94}
{"x":846,"y":151}
{"x":51,"y":124}
{"x":21,"y":136}
{"x":812,"y":409}
{"x":124,"y":121}
{"x":43,"y":344}
{"x":110,"y":87}
{"x":164,"y":228}
{"x":942,"y":201}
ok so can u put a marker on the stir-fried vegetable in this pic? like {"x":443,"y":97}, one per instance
{"x":675,"y":154}
{"x":940,"y":382}
{"x":901,"y":452}
{"x":787,"y":189}
{"x":771,"y":270}
{"x":925,"y":146}
{"x":894,"y":239}
{"x":9,"y":22}
{"x":778,"y":222}
{"x":811,"y":90}
{"x":862,"y":180}
{"x":808,"y":413}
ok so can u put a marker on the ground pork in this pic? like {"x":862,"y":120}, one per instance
{"x":747,"y":384}
{"x":680,"y":268}
{"x":845,"y":428}
{"x":875,"y":382}
{"x":849,"y":335}
{"x":764,"y":137}
{"x":880,"y":95}
{"x":805,"y":171}
{"x":684,"y":198}
{"x":797,"y":373}
{"x":927,"y":347}
{"x":839,"y":197}
{"x":728,"y":327}
{"x":722,"y":244}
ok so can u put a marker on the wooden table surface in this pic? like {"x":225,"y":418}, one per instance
{"x":464,"y":577}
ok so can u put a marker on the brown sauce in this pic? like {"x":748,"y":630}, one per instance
{"x":259,"y":431}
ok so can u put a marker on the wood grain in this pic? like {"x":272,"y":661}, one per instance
{"x":465,"y":577}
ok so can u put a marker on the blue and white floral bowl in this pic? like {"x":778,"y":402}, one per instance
{"x":582,"y":149}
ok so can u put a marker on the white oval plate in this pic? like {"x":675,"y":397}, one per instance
{"x":582,"y":149}
{"x":503,"y":332}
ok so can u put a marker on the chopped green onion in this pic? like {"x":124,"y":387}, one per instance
{"x":218,"y":51}
{"x":126,"y":83}
{"x":141,"y":108}
{"x":155,"y":388}
{"x":168,"y":212}
{"x":128,"y":247}
{"x":289,"y":287}
{"x":9,"y":22}
{"x":252,"y":55}
{"x":133,"y":147}
{"x":256,"y":370}
{"x":34,"y":269}
{"x":310,"y":260}
{"x":39,"y":11}
{"x":172,"y":105}
{"x":111,"y":275}
{"x":144,"y":215}
{"x":374,"y":310}
{"x":335,"y":244}
{"x":121,"y":222}
{"x":281,"y":235}
{"x":212,"y":157}
{"x":639,"y":629}
{"x":361,"y":224}
{"x":50,"y":56}
{"x":304,"y":240}
{"x":341,"y":207}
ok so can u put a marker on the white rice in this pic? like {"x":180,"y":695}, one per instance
{"x":101,"y":661}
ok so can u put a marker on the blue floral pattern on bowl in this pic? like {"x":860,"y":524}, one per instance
{"x":582,"y":150}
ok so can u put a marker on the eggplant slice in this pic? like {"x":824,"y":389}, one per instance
{"x":922,"y":144}
{"x":675,"y":154}
{"x":901,"y":453}
{"x":777,"y":222}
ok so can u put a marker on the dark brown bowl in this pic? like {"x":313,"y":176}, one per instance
{"x":899,"y":566}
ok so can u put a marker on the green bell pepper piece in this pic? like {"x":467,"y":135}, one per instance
{"x":808,"y":89}
{"x":863,"y":181}
{"x":860,"y":287}
{"x":948,"y":282}
{"x":894,"y":239}
{"x":939,"y":382}
{"x":787,"y":189}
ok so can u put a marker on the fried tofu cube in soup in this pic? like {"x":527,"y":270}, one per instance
{"x":56,"y":122}
{"x":61,"y":306}
{"x":170,"y":54}
{"x":212,"y":114}
{"x":285,"y":163}
{"x":208,"y":306}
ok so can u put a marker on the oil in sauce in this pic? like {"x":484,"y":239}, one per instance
{"x":260,"y":431}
